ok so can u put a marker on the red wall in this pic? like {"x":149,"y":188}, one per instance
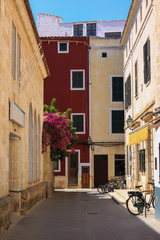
{"x":58,"y":84}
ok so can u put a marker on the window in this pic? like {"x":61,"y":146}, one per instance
{"x":16,"y":50}
{"x":119,"y":164}
{"x":146,"y":58}
{"x":18,"y":56}
{"x":136,"y":78}
{"x":127,"y":158}
{"x":63,"y":47}
{"x":141,"y":13}
{"x":78,"y":30}
{"x":78,"y":122}
{"x":117,"y":121}
{"x":112,"y":35}
{"x":128,"y":92}
{"x":104,"y":55}
{"x":56,"y":165}
{"x":77,"y":79}
{"x":117,"y":89}
{"x":91,"y":29}
{"x":136,"y":26}
{"x":142,"y":160}
{"x":13,"y":51}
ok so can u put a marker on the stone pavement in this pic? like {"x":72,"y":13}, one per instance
{"x":120,"y":196}
{"x":81,"y":215}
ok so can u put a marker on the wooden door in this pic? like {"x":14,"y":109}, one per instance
{"x":85,"y":177}
{"x":100,"y":169}
{"x":73,"y":170}
{"x":73,"y":165}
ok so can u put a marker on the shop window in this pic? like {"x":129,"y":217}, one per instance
{"x":119,"y":164}
{"x":142,"y":160}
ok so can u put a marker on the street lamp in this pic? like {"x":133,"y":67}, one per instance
{"x":89,"y":141}
{"x":129,"y":122}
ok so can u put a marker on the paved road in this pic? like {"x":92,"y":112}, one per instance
{"x":79,"y":216}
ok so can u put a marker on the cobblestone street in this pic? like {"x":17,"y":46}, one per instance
{"x":79,"y":215}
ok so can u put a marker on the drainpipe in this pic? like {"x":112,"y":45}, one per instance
{"x":90,"y":152}
{"x":20,"y":176}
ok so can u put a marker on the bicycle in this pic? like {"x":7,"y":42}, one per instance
{"x":136,"y":201}
{"x":109,"y":186}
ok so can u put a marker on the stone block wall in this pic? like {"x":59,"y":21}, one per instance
{"x":32,"y":195}
{"x":5,"y":213}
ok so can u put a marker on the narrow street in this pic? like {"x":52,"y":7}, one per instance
{"x":79,"y":215}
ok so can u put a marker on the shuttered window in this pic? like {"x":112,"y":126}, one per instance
{"x":117,"y":121}
{"x":117,"y":89}
{"x":13,"y":51}
{"x":128,"y":92}
{"x":146,"y":59}
{"x":77,"y":80}
{"x":78,"y":123}
{"x":142,"y":160}
{"x":136,"y":79}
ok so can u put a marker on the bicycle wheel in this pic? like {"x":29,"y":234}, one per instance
{"x":100,"y":189}
{"x":106,"y":188}
{"x":153,"y":200}
{"x":135,"y":204}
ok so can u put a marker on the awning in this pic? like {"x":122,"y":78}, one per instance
{"x":139,"y":136}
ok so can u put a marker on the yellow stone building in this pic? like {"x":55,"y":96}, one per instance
{"x":107,"y":108}
{"x":138,"y":40}
{"x":22,"y":71}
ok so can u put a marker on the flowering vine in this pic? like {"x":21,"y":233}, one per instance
{"x":58,"y":133}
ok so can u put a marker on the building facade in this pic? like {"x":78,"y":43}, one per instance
{"x":139,"y":75}
{"x":99,"y":37}
{"x":68,"y":61}
{"x":107,"y":109}
{"x":22,"y":70}
{"x":156,"y":123}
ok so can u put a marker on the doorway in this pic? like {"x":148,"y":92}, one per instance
{"x":100,"y":169}
{"x":73,"y":170}
{"x":15,"y":169}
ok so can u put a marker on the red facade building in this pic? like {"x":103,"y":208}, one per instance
{"x":68,"y":61}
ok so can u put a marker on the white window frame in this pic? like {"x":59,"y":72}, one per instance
{"x":84,"y":130}
{"x":63,"y":51}
{"x":77,"y":70}
{"x":59,"y":167}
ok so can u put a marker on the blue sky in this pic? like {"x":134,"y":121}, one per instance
{"x":82,"y":10}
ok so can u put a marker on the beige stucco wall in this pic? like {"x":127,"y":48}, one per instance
{"x":145,"y":101}
{"x":33,"y":93}
{"x":102,"y":69}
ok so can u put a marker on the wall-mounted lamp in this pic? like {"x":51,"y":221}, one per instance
{"x":129,"y":122}
{"x":89,"y":141}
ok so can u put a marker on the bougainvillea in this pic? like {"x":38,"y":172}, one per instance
{"x":58,"y":133}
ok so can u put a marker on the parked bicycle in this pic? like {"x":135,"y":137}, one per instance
{"x":109,"y":186}
{"x":136,"y":201}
